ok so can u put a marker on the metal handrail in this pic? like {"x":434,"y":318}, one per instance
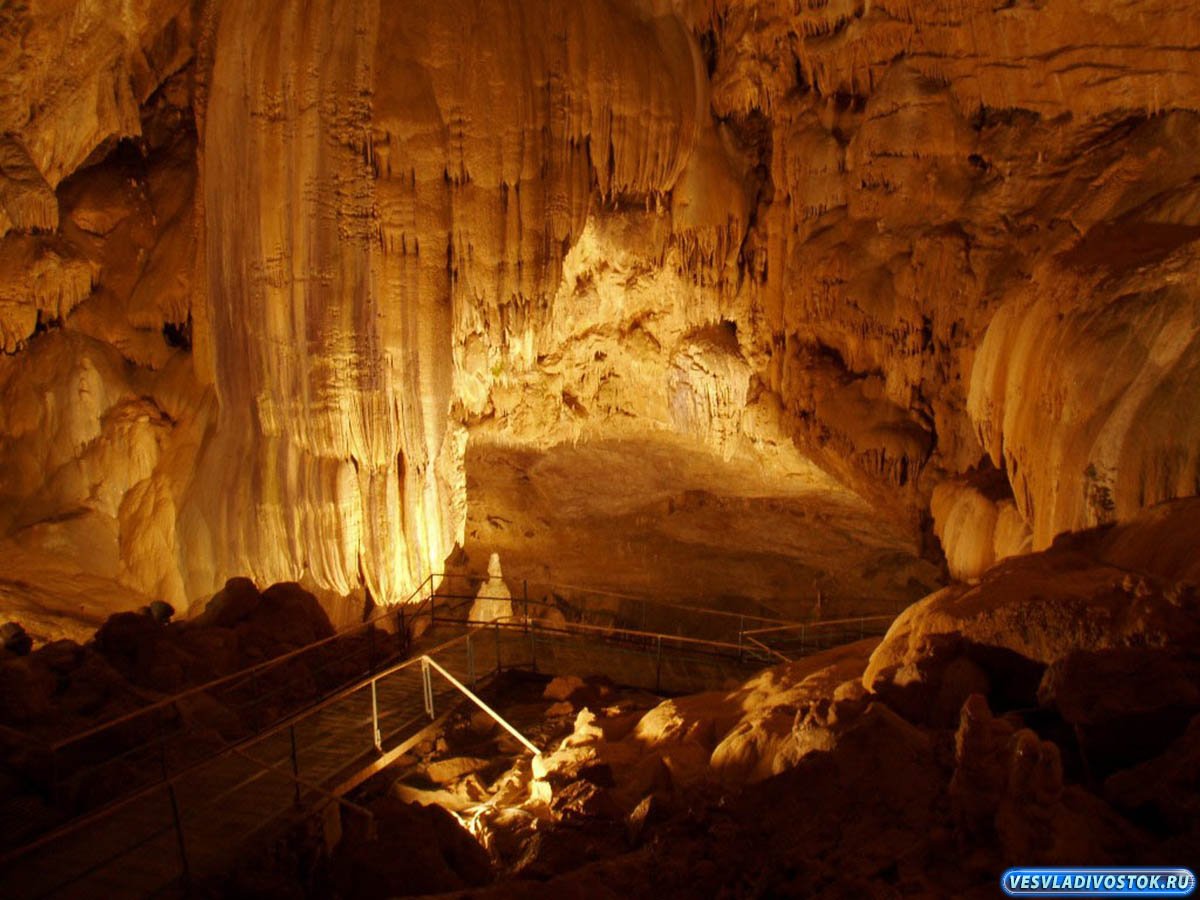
{"x":386,"y":611}
{"x":142,"y":793}
{"x":819,"y":623}
{"x":470,"y":695}
{"x":428,"y":605}
{"x":390,"y":610}
{"x":746,"y":640}
{"x":665,"y":604}
{"x":233,"y":676}
{"x":577,"y":627}
{"x":744,"y":634}
{"x":770,"y":651}
{"x":248,"y":676}
{"x":308,"y":785}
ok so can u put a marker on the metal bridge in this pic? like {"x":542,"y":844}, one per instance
{"x":175,"y":791}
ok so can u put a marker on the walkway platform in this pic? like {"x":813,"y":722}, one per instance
{"x":204,"y":809}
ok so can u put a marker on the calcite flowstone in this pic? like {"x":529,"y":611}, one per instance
{"x":882,"y":249}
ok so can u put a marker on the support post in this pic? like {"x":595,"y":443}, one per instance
{"x":256,"y":693}
{"x":658,"y":663}
{"x":55,"y":789}
{"x":470,"y":660}
{"x":427,"y":684}
{"x":162,"y":749}
{"x":295,"y":765}
{"x":376,"y":736}
{"x":183,"y":857}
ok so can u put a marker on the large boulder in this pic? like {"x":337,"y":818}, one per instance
{"x":1163,"y":792}
{"x":1026,"y":614}
{"x":293,"y":615}
{"x":788,"y":712}
{"x":1125,"y":704}
{"x":416,"y":850}
{"x":281,"y":618}
{"x":27,"y":688}
{"x":230,"y":605}
{"x":14,"y":639}
{"x":123,"y":637}
{"x":145,"y":652}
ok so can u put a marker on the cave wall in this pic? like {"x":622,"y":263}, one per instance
{"x":402,"y":185}
{"x":265,"y":267}
{"x":983,"y":218}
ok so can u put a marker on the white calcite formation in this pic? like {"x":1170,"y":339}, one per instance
{"x":493,"y":601}
{"x":269,"y":271}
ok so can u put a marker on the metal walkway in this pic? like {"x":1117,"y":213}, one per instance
{"x":199,"y":790}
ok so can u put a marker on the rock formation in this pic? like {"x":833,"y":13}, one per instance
{"x":823,"y":777}
{"x":493,"y":600}
{"x":279,"y":283}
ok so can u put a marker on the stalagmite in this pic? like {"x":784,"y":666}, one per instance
{"x":493,"y":600}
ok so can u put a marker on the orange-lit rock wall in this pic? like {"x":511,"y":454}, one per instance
{"x":380,"y":190}
{"x":918,"y":243}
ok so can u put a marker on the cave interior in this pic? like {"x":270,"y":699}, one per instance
{"x":597,"y":448}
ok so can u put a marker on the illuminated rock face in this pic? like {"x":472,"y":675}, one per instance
{"x":405,"y":191}
{"x":879,"y":253}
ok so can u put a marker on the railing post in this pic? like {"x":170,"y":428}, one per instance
{"x":427,"y":684}
{"x":376,"y":736}
{"x":532,"y":647}
{"x":53,"y":791}
{"x":470,"y":660}
{"x":741,"y":633}
{"x":658,"y":664}
{"x":371,"y":648}
{"x":162,"y":749}
{"x":525,"y":583}
{"x":295,"y":764}
{"x":402,"y":628}
{"x":499,"y":662}
{"x":257,"y":695}
{"x":183,"y":857}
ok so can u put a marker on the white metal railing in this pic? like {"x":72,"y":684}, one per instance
{"x":429,"y":663}
{"x":766,"y":640}
{"x":217,"y":791}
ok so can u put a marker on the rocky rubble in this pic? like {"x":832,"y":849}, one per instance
{"x":922,"y":764}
